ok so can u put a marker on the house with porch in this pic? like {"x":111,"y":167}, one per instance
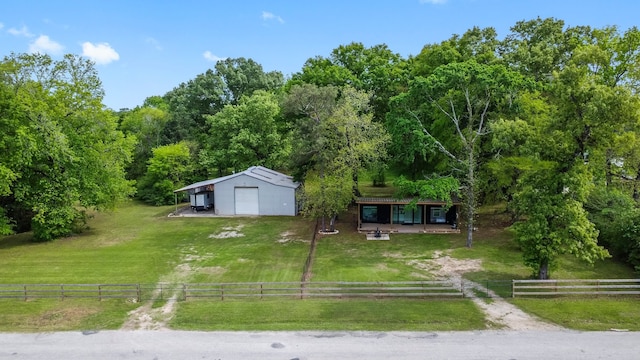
{"x":395,"y":215}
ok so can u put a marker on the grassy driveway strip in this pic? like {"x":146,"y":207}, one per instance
{"x":329,"y":314}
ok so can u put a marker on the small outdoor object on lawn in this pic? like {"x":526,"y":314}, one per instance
{"x":378,"y":235}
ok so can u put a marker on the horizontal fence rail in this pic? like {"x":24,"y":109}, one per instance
{"x":595,"y":287}
{"x":70,"y":291}
{"x":306,"y":290}
{"x":221,"y":291}
{"x":322,"y":289}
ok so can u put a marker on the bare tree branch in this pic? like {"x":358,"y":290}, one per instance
{"x":438,"y":143}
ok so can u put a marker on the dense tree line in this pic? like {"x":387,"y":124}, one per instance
{"x":60,"y":151}
{"x":544,"y":119}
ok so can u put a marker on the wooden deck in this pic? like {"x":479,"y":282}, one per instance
{"x":409,"y":229}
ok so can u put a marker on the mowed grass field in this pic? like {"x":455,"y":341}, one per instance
{"x":141,"y":244}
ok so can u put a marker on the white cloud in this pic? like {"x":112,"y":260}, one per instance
{"x":1,"y":25}
{"x":211,"y":57}
{"x":435,"y":2}
{"x":45,"y":45}
{"x":101,"y":54}
{"x":23,"y":31}
{"x":267,"y":16}
{"x":153,"y":42}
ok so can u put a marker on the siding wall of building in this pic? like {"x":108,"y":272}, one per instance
{"x":273,"y":200}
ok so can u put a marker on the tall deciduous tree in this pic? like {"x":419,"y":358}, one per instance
{"x":480,"y":45}
{"x":146,"y":124}
{"x":555,"y":222}
{"x":74,"y":155}
{"x":189,"y":103}
{"x":246,"y":134}
{"x":244,"y":76}
{"x":375,"y":70}
{"x":168,"y":169}
{"x":342,"y":140}
{"x":453,"y":108}
{"x":309,"y":106}
{"x":590,"y":107}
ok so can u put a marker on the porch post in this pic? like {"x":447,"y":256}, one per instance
{"x":359,"y":223}
{"x":424,"y":217}
{"x":175,"y":200}
{"x":391,"y":217}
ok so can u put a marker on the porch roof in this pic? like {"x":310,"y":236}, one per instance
{"x":393,"y":201}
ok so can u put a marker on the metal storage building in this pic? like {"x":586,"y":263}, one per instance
{"x":255,"y":191}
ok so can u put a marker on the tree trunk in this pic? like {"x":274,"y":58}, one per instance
{"x":323,"y":228}
{"x":543,"y":271}
{"x":636,"y":193}
{"x":471,"y":200}
{"x":356,"y":187}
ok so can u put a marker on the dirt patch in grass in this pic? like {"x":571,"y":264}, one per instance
{"x":386,"y":268}
{"x":62,"y":318}
{"x":148,"y":318}
{"x":228,"y":232}
{"x":395,"y":255}
{"x":289,"y":237}
{"x":212,"y":270}
{"x":446,"y":267}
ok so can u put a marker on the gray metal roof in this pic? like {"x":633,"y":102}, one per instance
{"x":256,"y":172}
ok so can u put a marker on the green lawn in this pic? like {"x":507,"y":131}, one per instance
{"x":56,"y":315}
{"x":596,"y":314}
{"x":318,"y":314}
{"x":140,"y":244}
{"x":348,"y":256}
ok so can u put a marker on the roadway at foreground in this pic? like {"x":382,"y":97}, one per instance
{"x":158,"y":345}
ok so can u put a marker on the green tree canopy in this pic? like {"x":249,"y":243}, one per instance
{"x":375,"y":70}
{"x":72,"y":155}
{"x":246,"y":134}
{"x":168,"y":169}
{"x":452,"y":108}
{"x":335,"y":139}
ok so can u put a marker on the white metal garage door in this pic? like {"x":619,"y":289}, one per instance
{"x":247,"y":201}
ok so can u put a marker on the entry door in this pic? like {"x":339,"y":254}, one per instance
{"x":247,"y":201}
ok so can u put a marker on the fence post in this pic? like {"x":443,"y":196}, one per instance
{"x":100,"y":292}
{"x":138,"y":292}
{"x":513,"y":288}
{"x":25,"y":293}
{"x":222,"y":292}
{"x":61,"y":292}
{"x":184,"y":291}
{"x":261,"y":293}
{"x":488,"y":296}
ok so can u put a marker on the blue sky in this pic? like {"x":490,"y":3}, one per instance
{"x":144,"y":48}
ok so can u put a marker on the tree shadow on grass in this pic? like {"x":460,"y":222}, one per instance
{"x":22,"y":239}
